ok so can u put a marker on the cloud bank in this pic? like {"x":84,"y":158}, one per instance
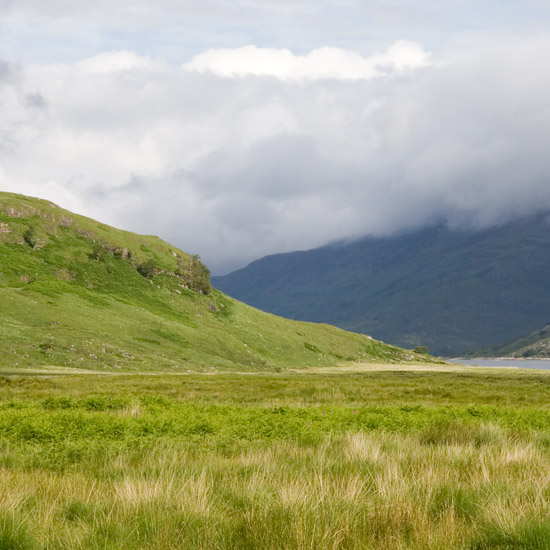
{"x":323,"y":63}
{"x":248,"y":151}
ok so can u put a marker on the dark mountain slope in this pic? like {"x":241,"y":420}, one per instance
{"x":536,"y":344}
{"x":454,"y":291}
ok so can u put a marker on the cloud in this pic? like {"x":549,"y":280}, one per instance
{"x":20,"y":108}
{"x":114,"y":62}
{"x":236,"y":165}
{"x":322,"y":63}
{"x":6,"y":72}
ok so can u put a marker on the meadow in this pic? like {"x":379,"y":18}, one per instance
{"x":413,"y":458}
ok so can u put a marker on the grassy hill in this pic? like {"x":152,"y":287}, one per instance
{"x":78,"y":293}
{"x":536,"y":344}
{"x":454,"y":291}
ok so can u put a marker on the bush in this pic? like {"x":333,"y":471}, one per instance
{"x":424,"y":350}
{"x":200,"y":276}
{"x":311,"y":347}
{"x":195,"y":274}
{"x":98,"y":253}
{"x":30,"y":237}
{"x":148,"y":269}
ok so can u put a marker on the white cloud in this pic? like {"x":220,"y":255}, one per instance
{"x":113,"y":62}
{"x":237,"y":167}
{"x":322,"y":63}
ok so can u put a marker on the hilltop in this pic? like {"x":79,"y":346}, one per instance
{"x":78,"y":293}
{"x":452,"y":290}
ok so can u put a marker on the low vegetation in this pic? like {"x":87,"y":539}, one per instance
{"x":406,"y":460}
{"x":279,"y":455}
{"x":77,"y":293}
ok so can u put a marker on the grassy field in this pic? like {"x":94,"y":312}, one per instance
{"x":416,"y":458}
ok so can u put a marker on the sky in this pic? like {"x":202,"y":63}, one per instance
{"x":236,"y":129}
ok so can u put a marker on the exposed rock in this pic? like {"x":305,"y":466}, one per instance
{"x":86,"y":233}
{"x":123,"y":253}
{"x":5,"y":228}
{"x":13,"y":212}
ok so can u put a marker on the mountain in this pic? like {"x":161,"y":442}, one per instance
{"x":78,"y":293}
{"x":536,"y":344}
{"x":452,"y":290}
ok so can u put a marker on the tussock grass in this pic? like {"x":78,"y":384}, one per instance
{"x":147,"y":466}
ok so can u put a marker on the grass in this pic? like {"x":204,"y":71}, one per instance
{"x":406,"y":385}
{"x":295,"y":451}
{"x":368,"y":460}
{"x":73,"y":295}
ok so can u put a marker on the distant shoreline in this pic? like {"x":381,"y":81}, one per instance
{"x":504,"y":362}
{"x":505,"y":358}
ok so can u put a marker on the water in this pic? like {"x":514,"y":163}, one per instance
{"x":543,"y":364}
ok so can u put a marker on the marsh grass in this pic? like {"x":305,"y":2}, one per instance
{"x":124,"y":470}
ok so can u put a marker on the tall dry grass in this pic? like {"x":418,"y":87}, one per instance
{"x":462,"y":488}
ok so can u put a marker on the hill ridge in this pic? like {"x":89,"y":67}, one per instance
{"x":75,"y":292}
{"x":534,"y":345}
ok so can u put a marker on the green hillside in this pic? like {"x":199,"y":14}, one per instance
{"x":536,"y":344}
{"x":77,"y":293}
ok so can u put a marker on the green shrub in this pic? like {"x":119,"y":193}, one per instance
{"x":148,"y":269}
{"x":311,"y":347}
{"x":200,"y":276}
{"x":98,"y":253}
{"x":30,"y":237}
